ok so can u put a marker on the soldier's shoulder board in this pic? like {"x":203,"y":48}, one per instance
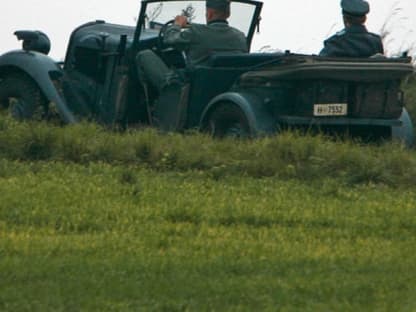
{"x":340,"y":33}
{"x":374,"y":35}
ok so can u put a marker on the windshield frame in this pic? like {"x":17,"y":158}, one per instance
{"x":141,"y":19}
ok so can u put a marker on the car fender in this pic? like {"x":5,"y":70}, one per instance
{"x":43,"y":70}
{"x":405,"y":132}
{"x":254,"y":107}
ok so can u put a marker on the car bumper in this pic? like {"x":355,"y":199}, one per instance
{"x":337,"y":121}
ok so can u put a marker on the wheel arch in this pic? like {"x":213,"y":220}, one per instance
{"x":43,"y":71}
{"x":260,"y":121}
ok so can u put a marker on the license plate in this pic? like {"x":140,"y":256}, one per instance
{"x":340,"y":109}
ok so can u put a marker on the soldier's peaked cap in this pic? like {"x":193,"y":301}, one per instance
{"x":218,"y":4}
{"x":355,"y":7}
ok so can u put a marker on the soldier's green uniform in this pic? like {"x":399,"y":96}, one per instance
{"x":354,"y":41}
{"x":198,"y":41}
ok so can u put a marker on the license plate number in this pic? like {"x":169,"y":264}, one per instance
{"x":340,"y":109}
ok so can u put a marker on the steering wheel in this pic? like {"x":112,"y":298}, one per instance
{"x":161,"y":36}
{"x":161,"y":47}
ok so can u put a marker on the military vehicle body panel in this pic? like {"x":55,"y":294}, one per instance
{"x":259,"y":93}
{"x":41,"y":69}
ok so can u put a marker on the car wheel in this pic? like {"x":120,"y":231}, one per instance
{"x":21,"y":98}
{"x":228,"y":120}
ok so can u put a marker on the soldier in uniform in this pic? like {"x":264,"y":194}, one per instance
{"x":197,"y":40}
{"x":354,"y":40}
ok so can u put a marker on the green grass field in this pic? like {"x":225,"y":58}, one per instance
{"x":106,"y":237}
{"x":93,"y":220}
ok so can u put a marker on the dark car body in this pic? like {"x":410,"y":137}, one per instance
{"x":252,"y":94}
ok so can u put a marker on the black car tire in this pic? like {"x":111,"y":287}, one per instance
{"x":228,"y":120}
{"x":22,"y":98}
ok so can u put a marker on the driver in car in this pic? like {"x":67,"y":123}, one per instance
{"x":197,"y":40}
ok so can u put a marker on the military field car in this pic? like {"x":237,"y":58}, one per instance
{"x":242,"y":95}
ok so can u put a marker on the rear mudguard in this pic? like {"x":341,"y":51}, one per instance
{"x":405,"y":132}
{"x":260,"y":120}
{"x":43,"y":70}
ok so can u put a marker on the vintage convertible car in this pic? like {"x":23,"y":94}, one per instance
{"x":230,"y":95}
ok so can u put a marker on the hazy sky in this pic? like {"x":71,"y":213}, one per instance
{"x":297,"y":25}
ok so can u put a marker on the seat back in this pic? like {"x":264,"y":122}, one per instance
{"x":241,"y":60}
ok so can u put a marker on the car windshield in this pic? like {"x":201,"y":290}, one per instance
{"x":159,"y":13}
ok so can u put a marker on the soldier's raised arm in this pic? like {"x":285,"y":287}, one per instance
{"x":178,"y":35}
